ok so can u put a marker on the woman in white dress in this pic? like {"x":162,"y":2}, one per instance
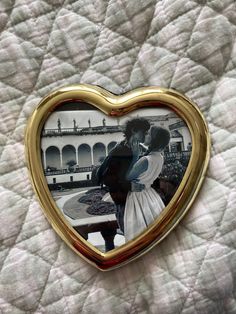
{"x":142,"y":208}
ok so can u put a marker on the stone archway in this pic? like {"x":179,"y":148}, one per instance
{"x":53,"y":157}
{"x":111,"y":145}
{"x":42,"y":159}
{"x":99,"y":153}
{"x":84,"y":155}
{"x":68,"y":155}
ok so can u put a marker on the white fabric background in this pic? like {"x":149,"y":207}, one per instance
{"x":119,"y":45}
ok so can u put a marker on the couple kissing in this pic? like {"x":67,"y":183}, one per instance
{"x":129,"y":172}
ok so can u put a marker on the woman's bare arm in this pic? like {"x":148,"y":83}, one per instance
{"x":138,"y":168}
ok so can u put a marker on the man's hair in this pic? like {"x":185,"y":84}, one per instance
{"x":135,"y":125}
{"x":160,"y":138}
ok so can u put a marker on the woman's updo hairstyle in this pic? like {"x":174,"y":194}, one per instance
{"x":160,"y":138}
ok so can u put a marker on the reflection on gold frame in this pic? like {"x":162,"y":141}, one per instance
{"x":113,"y":105}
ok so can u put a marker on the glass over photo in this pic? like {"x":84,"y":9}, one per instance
{"x":111,"y":177}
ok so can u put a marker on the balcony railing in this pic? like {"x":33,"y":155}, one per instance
{"x":177,"y":155}
{"x":53,"y":172}
{"x":177,"y":125}
{"x":81,"y":131}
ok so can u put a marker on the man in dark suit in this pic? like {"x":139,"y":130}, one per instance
{"x":113,"y":170}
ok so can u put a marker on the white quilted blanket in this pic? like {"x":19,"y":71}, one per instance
{"x":119,"y":45}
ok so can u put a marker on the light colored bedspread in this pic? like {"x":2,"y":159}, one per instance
{"x":119,"y":45}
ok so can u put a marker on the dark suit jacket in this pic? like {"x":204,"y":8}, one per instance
{"x":113,"y":172}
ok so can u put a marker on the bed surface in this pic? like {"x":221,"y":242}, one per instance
{"x":120,"y":45}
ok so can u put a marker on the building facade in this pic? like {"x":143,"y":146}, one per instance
{"x":71,"y":154}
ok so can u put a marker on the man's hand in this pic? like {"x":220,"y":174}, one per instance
{"x":137,"y":187}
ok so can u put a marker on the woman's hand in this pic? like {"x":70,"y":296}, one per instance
{"x":135,"y":148}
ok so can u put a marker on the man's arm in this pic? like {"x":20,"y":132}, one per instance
{"x":110,"y":172}
{"x":101,"y":170}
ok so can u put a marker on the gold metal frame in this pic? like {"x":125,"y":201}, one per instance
{"x":116,"y":106}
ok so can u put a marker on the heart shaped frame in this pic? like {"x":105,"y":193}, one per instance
{"x":113,"y":105}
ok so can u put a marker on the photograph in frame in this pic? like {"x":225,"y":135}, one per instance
{"x":111,"y":177}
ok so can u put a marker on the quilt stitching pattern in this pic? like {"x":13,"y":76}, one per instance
{"x":120,"y":45}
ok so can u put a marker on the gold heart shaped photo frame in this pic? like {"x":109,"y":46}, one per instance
{"x":114,"y":174}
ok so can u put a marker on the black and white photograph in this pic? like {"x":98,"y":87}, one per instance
{"x":111,"y":177}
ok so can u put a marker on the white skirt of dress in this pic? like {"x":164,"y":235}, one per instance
{"x":141,"y":209}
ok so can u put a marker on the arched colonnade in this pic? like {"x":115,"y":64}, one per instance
{"x":84,"y":155}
